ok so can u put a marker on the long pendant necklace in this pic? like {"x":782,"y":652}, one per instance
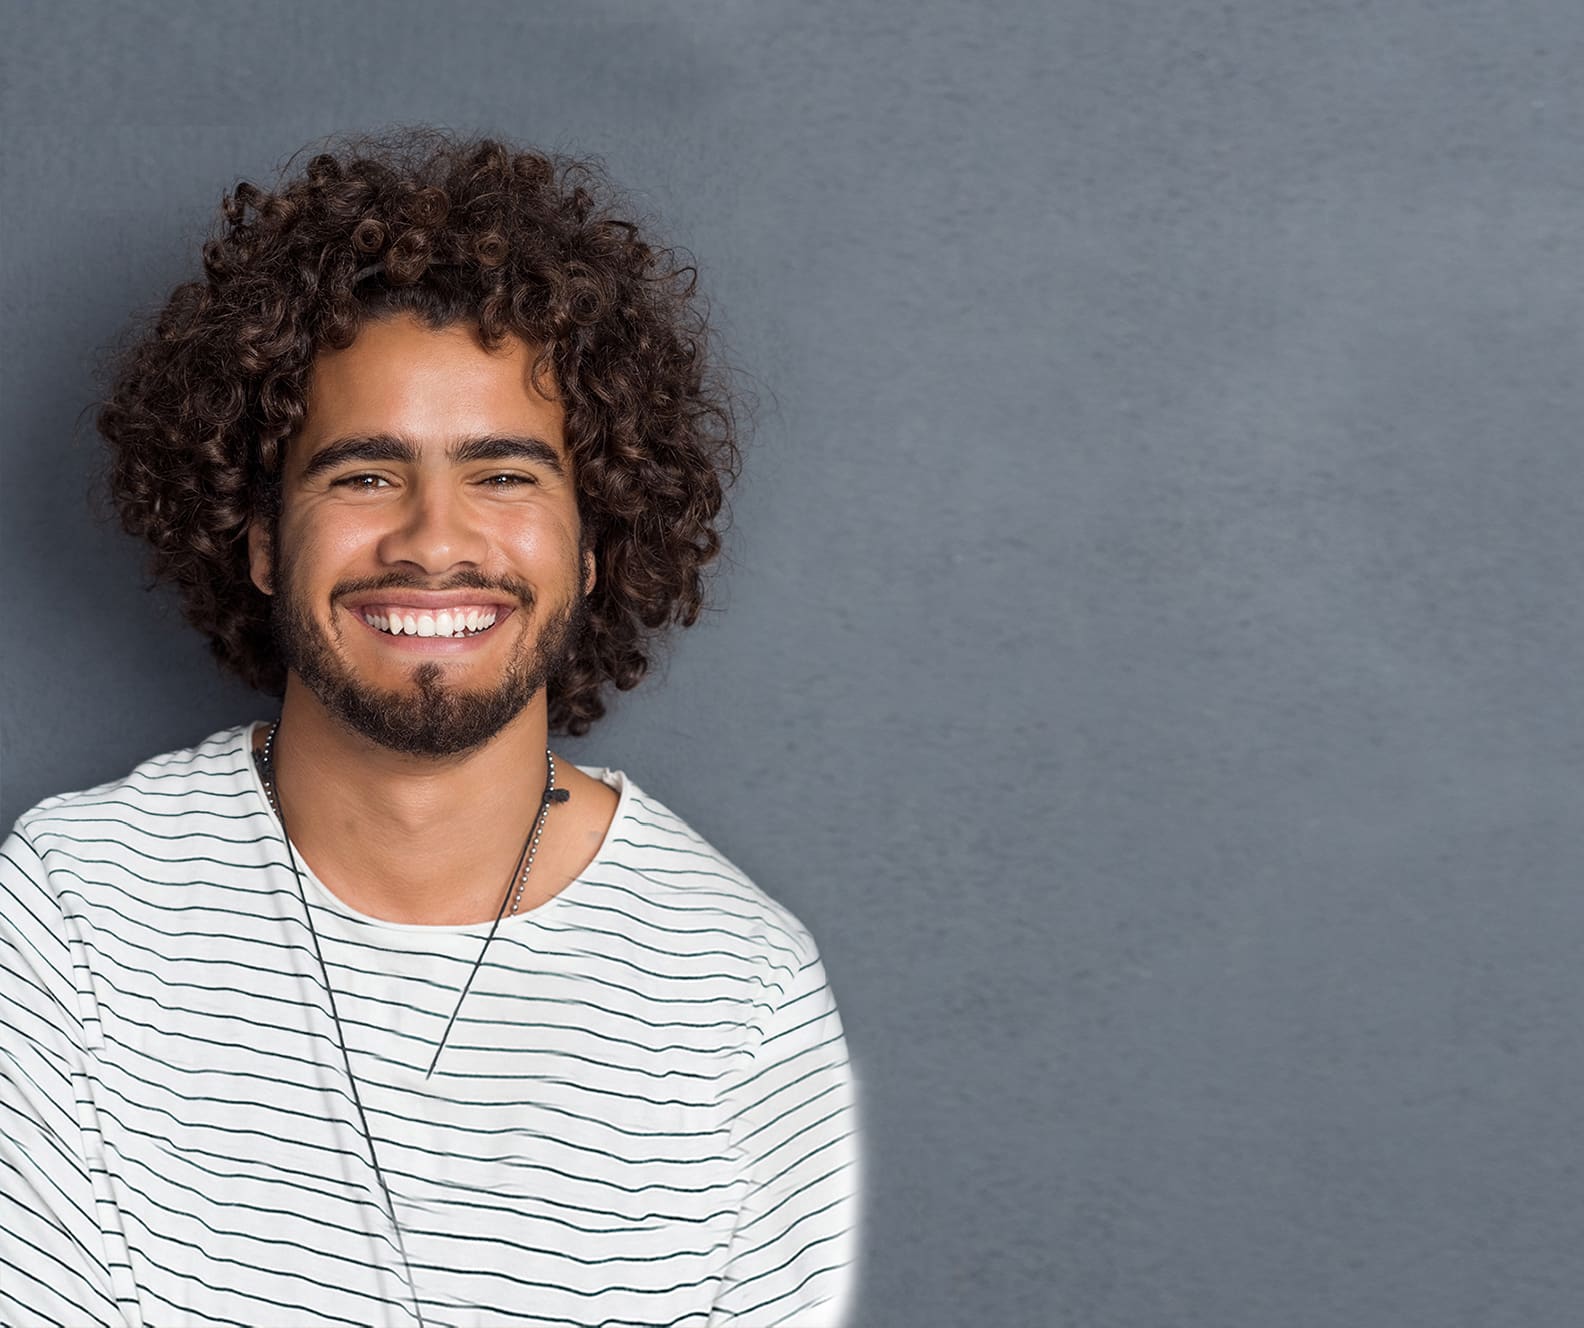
{"x":519,"y":877}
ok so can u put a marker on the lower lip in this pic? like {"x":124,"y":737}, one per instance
{"x":435,"y":645}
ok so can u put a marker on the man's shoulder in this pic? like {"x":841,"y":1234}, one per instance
{"x":682,"y":870}
{"x":209,"y":779}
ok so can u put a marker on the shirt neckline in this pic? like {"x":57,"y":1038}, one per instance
{"x":327,"y":898}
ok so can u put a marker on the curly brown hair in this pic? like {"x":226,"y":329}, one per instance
{"x":515,"y":241}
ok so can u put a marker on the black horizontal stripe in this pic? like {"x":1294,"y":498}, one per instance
{"x":12,"y":936}
{"x":71,"y":1232}
{"x":194,"y":1214}
{"x":607,"y":1290}
{"x":39,"y":832}
{"x":251,"y":889}
{"x":179,"y":861}
{"x":633,"y":940}
{"x":519,"y":1164}
{"x":797,"y":1193}
{"x":670,"y":825}
{"x":782,"y":1238}
{"x":769,"y":1181}
{"x":754,"y":978}
{"x":556,"y":1253}
{"x":162,"y":1146}
{"x":807,"y":1051}
{"x":651,"y":1221}
{"x":41,"y":1095}
{"x":58,"y":1267}
{"x":555,"y":1110}
{"x":604,"y":1063}
{"x":650,"y":926}
{"x":692,"y":850}
{"x":31,"y":1040}
{"x":803,"y":1104}
{"x":314,"y":1308}
{"x":357,"y":1154}
{"x":182,"y":762}
{"x":131,"y":786}
{"x":787,"y":1263}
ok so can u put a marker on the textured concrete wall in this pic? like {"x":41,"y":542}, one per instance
{"x":1150,"y":643}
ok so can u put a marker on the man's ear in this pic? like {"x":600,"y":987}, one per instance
{"x":588,"y":572}
{"x":259,"y":550}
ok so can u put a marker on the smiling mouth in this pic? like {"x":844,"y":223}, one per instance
{"x":454,"y":624}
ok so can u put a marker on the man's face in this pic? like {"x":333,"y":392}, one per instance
{"x":426,"y":573}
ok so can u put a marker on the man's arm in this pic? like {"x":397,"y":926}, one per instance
{"x":793,"y":1116}
{"x":52,"y":1261}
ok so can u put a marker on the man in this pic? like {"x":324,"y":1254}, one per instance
{"x":381,"y":1013}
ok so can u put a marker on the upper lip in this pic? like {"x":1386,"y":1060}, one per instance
{"x":428,"y":600}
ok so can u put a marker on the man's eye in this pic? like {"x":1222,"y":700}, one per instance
{"x":506,"y":480}
{"x":361,"y":481}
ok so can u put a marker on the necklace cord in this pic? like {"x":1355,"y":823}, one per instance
{"x":267,"y":768}
{"x":529,"y":845}
{"x":265,"y":760}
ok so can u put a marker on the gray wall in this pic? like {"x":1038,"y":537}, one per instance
{"x":1151,"y":641}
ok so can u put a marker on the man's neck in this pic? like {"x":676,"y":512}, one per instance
{"x":410,"y":838}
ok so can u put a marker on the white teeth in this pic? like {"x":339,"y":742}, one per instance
{"x":444,"y":623}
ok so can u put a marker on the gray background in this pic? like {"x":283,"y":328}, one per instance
{"x":1150,"y":649}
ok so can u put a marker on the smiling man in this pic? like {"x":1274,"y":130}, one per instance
{"x":380,"y":1012}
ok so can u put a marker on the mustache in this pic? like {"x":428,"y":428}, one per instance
{"x":463,"y":580}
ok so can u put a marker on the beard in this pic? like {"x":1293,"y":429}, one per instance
{"x":429,"y":718}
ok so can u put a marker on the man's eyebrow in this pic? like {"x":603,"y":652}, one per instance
{"x":389,"y":447}
{"x":508,"y":447}
{"x":375,"y":447}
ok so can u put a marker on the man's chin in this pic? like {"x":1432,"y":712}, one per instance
{"x":416,"y":725}
{"x":421,"y":714}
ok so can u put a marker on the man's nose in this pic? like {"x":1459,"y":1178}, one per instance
{"x":435,"y":529}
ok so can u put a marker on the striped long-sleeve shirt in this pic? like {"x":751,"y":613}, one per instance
{"x":643,"y":1116}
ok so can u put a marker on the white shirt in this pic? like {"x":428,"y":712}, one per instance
{"x":644,"y":1113}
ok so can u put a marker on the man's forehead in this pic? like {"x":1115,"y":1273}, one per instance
{"x":429,"y":386}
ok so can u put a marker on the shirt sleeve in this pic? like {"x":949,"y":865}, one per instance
{"x":53,"y":1268}
{"x":792,"y":1262}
